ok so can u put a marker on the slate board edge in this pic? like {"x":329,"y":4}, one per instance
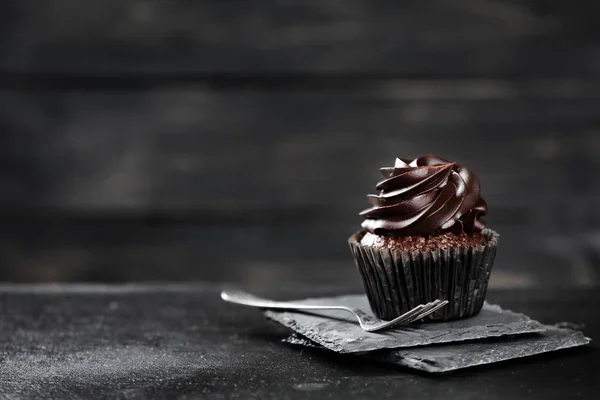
{"x":298,"y":340}
{"x":282,"y":318}
{"x":532,"y":326}
{"x":444,"y":369}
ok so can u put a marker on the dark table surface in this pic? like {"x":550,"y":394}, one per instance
{"x":167,"y":341}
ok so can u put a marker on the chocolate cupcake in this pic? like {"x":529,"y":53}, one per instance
{"x":423,"y":239}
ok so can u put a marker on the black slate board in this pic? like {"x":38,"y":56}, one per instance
{"x":451,"y":357}
{"x":339,"y":332}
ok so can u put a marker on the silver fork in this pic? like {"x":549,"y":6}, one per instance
{"x":367,"y":322}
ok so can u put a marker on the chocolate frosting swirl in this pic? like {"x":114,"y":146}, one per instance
{"x":424,"y":196}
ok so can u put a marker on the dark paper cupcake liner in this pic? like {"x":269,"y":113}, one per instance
{"x":397,"y":281}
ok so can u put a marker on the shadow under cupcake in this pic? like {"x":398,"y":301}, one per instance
{"x":423,"y":239}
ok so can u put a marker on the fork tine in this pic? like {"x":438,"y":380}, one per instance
{"x":411,"y":314}
{"x":424,"y":310}
{"x":396,"y":321}
{"x":408,"y":315}
{"x":442,"y":304}
{"x":433,"y":309}
{"x":416,"y":313}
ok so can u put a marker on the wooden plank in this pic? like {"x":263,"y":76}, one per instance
{"x":248,"y":254}
{"x":433,"y":38}
{"x":245,"y":151}
{"x":197,"y":183}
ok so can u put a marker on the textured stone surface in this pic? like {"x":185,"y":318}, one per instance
{"x":338,"y":331}
{"x":451,"y":357}
{"x":184,"y":342}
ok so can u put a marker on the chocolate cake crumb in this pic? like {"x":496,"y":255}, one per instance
{"x":422,"y":243}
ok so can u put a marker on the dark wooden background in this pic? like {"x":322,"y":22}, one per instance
{"x":236,"y":140}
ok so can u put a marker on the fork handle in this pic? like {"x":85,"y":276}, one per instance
{"x":247,"y":299}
